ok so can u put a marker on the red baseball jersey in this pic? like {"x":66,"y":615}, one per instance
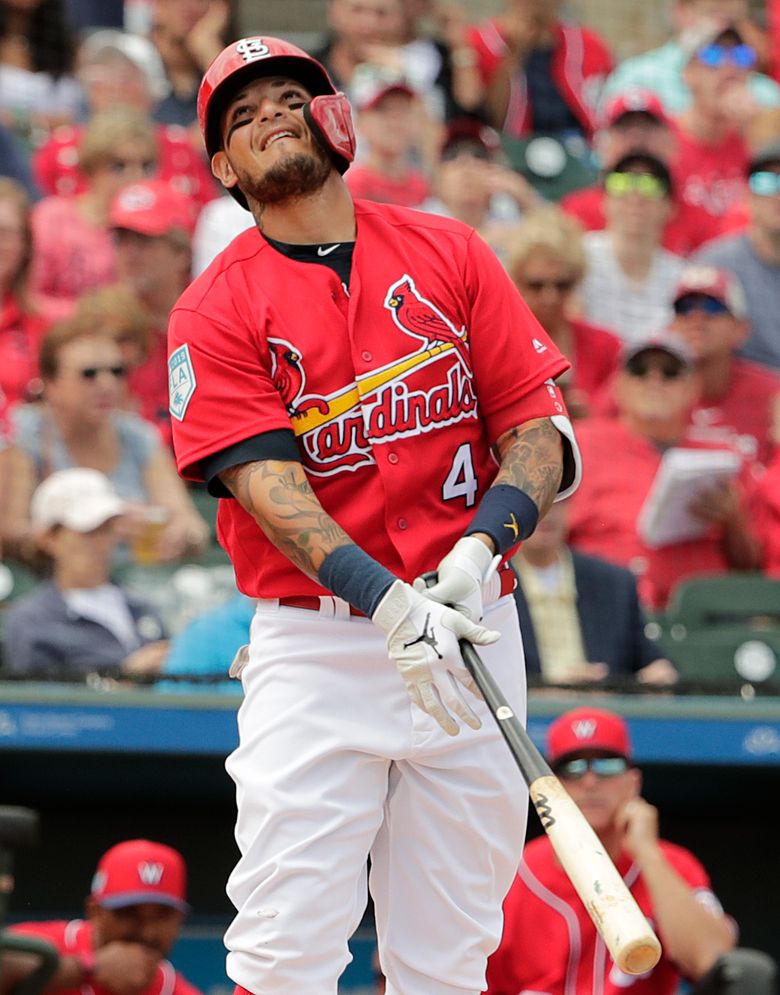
{"x":396,"y":388}
{"x":550,"y":945}
{"x":75,"y":937}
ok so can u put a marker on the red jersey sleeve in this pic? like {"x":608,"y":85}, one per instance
{"x":220,"y":378}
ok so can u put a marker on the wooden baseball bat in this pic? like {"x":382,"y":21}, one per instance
{"x":621,"y":923}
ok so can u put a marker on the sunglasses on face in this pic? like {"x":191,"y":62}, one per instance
{"x":562,"y":286}
{"x":764,"y":183}
{"x":708,"y":305}
{"x":573,"y":770}
{"x":639,"y":366}
{"x":146,"y":166}
{"x":645,"y":184}
{"x":93,"y":372}
{"x":714,"y":56}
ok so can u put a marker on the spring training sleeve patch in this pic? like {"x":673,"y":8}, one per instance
{"x":181,"y":382}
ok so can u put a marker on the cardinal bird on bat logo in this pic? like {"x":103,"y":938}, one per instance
{"x":419,"y":317}
{"x":290,"y":380}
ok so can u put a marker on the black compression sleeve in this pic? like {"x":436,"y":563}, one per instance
{"x":278,"y":444}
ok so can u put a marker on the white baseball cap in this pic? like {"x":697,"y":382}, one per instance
{"x":80,"y":499}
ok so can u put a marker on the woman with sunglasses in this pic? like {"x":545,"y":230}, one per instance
{"x":80,"y":424}
{"x":73,"y":244}
{"x":550,"y":943}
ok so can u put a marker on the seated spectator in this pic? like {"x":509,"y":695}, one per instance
{"x":133,"y":918}
{"x":546,"y":261}
{"x":753,"y":256}
{"x":737,"y":398}
{"x":636,"y":122}
{"x":117,"y":69}
{"x":386,"y":130}
{"x":542,"y":74}
{"x":188,"y":35}
{"x":712,"y":152}
{"x":73,"y":246}
{"x":21,"y":323}
{"x":208,"y":647}
{"x":655,"y":390}
{"x":81,"y":424}
{"x":580,"y":615}
{"x":152,"y":225}
{"x":661,"y":70}
{"x":761,"y":130}
{"x":78,"y":622}
{"x":550,"y":943}
{"x":361,"y":31}
{"x":219,"y":222}
{"x":629,"y":277}
{"x":473,"y":183}
{"x":37,"y":46}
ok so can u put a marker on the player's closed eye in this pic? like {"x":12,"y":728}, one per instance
{"x":573,"y":770}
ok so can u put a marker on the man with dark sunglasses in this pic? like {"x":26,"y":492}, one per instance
{"x":550,"y":945}
{"x":737,"y":396}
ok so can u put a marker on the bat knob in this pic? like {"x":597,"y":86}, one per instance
{"x":640,"y":957}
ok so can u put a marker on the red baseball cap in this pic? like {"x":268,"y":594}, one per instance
{"x":137,"y":871}
{"x":151,"y":207}
{"x":585,"y":729}
{"x":713,"y":282}
{"x":371,"y":84}
{"x":635,"y":101}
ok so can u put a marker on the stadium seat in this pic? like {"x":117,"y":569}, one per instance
{"x":723,"y":632}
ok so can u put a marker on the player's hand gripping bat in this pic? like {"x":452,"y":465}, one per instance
{"x":633,"y":945}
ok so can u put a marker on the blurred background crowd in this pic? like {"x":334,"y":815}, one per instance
{"x":634,"y":201}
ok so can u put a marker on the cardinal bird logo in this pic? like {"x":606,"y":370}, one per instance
{"x":290,"y":380}
{"x":417,"y":316}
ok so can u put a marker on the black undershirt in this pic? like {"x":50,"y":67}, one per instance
{"x":278,"y":444}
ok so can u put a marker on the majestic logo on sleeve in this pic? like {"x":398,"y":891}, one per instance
{"x":420,"y":391}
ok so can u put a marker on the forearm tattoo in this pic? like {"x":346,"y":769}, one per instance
{"x":532,"y":459}
{"x":282,"y":502}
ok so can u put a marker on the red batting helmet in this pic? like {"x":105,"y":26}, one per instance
{"x":328,"y":114}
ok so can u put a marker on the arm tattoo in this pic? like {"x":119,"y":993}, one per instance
{"x":280,"y":498}
{"x":532,"y":459}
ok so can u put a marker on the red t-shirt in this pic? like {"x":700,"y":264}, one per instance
{"x":20,"y":339}
{"x":742,"y":417}
{"x":56,"y":164}
{"x":688,"y":227}
{"x":396,"y":390}
{"x":595,"y":356}
{"x":550,"y":945}
{"x":619,"y":469}
{"x":710,"y":175}
{"x":76,"y":937}
{"x":367,"y":183}
{"x":767,"y":516}
{"x":147,"y":385}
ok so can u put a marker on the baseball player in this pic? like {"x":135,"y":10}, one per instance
{"x":550,"y":945}
{"x":367,"y":392}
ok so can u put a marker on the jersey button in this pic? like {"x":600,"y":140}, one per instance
{"x":392,"y":458}
{"x":403,"y":524}
{"x":366,"y":356}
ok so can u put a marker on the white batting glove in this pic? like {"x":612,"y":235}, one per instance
{"x":422,"y":641}
{"x":460,"y":577}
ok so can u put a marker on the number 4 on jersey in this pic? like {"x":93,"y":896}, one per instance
{"x":461,"y":481}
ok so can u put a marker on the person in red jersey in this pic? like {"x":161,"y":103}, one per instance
{"x":768,"y":504}
{"x":655,"y":390}
{"x":636,"y":121}
{"x":133,"y":917}
{"x":550,"y":945}
{"x":369,"y":396}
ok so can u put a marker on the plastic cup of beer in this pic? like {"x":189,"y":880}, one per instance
{"x":146,"y":542}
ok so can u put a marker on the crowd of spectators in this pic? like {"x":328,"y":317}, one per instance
{"x":655,"y":268}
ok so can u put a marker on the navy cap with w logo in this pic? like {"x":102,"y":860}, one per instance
{"x":138,"y":871}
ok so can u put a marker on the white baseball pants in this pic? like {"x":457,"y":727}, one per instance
{"x":336,"y":764}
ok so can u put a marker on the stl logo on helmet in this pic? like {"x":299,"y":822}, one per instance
{"x":252,"y":49}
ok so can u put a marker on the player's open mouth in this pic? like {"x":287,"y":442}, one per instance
{"x":277,"y":135}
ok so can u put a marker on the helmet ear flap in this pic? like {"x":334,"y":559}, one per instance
{"x":329,"y":116}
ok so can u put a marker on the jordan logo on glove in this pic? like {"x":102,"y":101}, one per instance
{"x":424,"y":637}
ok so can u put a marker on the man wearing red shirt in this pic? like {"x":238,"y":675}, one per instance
{"x":550,"y":945}
{"x":655,"y":390}
{"x":633,"y":122}
{"x":133,"y":918}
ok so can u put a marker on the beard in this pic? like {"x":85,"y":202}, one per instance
{"x":294,"y":176}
